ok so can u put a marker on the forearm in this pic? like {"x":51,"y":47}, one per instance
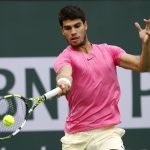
{"x":64,"y":79}
{"x":65,"y":72}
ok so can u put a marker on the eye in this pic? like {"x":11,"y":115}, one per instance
{"x":78,"y":25}
{"x":67,"y":27}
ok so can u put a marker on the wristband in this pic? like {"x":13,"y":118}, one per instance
{"x":64,"y":79}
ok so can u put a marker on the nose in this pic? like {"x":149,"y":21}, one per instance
{"x":73,"y":32}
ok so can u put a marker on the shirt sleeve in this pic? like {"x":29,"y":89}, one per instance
{"x":61,"y":60}
{"x":116,"y":53}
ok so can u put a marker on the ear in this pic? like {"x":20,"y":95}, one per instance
{"x":86,"y":25}
{"x":61,"y":30}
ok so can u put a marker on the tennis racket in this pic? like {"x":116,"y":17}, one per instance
{"x":20,"y":108}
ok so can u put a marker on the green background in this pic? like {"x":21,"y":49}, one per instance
{"x":31,"y":29}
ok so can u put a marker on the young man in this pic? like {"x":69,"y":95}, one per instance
{"x":86,"y":73}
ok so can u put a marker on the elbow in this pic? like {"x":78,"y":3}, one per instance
{"x":144,"y":65}
{"x":144,"y":69}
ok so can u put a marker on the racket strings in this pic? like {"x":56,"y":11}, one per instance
{"x":11,"y":106}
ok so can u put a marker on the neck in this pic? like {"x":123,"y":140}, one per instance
{"x":86,"y":47}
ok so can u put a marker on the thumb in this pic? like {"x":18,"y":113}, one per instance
{"x":138,"y":27}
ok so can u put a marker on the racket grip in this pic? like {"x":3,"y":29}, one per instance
{"x":52,"y":93}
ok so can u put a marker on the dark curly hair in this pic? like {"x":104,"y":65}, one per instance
{"x":71,"y":12}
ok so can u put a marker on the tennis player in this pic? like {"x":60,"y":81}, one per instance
{"x":86,"y":73}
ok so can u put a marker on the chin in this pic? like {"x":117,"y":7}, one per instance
{"x":77,"y":45}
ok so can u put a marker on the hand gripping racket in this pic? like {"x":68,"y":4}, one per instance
{"x":21,"y":108}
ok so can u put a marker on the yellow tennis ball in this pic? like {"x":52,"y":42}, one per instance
{"x":8,"y":120}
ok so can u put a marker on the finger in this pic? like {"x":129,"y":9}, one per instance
{"x":60,"y":93}
{"x":62,"y":86}
{"x":148,"y":33}
{"x":147,"y":20}
{"x":66,"y":90}
{"x":138,"y":27}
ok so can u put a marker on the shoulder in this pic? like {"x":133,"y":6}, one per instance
{"x":109,"y":48}
{"x":103,"y":45}
{"x":65,"y":54}
{"x":102,"y":48}
{"x":65,"y":51}
{"x":106,"y":46}
{"x":62,"y":59}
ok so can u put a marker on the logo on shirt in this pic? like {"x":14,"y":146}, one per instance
{"x":90,"y":58}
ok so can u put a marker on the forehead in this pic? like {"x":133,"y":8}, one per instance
{"x":71,"y":22}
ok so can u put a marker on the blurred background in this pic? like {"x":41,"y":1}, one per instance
{"x":30,"y":40}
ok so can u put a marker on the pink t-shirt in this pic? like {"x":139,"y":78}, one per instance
{"x":93,"y":99}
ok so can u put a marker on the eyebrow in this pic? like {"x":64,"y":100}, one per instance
{"x":78,"y":23}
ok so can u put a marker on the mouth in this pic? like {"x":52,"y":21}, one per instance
{"x":74,"y":39}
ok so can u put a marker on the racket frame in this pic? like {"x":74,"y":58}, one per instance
{"x":29,"y":111}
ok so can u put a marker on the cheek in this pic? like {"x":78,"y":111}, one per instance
{"x":66,"y":35}
{"x":82,"y":34}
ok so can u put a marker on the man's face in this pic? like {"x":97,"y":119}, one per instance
{"x":75,"y":32}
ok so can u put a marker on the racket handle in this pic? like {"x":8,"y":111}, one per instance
{"x":52,"y":93}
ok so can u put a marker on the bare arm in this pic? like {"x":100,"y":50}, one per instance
{"x":131,"y":62}
{"x":139,"y":63}
{"x":64,"y":79}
